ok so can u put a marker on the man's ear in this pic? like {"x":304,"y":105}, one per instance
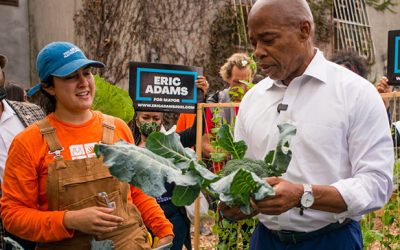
{"x":305,"y":30}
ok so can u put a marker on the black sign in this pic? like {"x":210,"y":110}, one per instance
{"x":164,"y":87}
{"x":393,"y":63}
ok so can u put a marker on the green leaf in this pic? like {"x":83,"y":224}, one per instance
{"x":185,"y":195}
{"x":225,"y":141}
{"x":279,"y":160}
{"x":142,"y":168}
{"x":112,"y":100}
{"x":239,"y":186}
{"x":256,"y":166}
{"x":170,"y":147}
{"x":217,"y":156}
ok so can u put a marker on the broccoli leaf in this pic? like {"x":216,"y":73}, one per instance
{"x":238,"y":187}
{"x":258,"y":167}
{"x":142,"y":168}
{"x":183,"y":196}
{"x":170,"y":147}
{"x":225,"y":141}
{"x":278,"y":160}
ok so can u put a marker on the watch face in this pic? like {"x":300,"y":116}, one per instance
{"x":307,"y":200}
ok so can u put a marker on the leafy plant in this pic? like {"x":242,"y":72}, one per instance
{"x":240,"y":183}
{"x":112,"y":100}
{"x":165,"y":160}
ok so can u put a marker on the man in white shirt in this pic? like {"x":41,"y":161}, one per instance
{"x":342,"y":154}
{"x":14,"y":117}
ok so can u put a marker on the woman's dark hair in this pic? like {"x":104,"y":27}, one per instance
{"x":15,"y":92}
{"x":353,"y":61}
{"x":135,"y":130}
{"x":47,"y":101}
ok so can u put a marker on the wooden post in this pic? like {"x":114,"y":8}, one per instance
{"x":199,"y":141}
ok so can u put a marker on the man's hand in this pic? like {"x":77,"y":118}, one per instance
{"x":234,"y":213}
{"x":164,"y":241}
{"x":92,"y":220}
{"x":287,"y":196}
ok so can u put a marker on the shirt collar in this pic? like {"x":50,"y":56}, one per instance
{"x":7,"y":111}
{"x":316,"y":69}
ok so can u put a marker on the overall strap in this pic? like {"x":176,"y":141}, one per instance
{"x":49,"y":134}
{"x":108,"y":129}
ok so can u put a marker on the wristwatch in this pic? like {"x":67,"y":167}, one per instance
{"x":307,"y":199}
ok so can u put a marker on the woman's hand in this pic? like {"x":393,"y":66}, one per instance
{"x":202,"y":84}
{"x":92,"y":220}
{"x":164,"y":241}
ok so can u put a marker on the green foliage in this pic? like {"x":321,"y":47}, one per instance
{"x":322,"y":12}
{"x":382,"y":5}
{"x":256,"y":166}
{"x":144,"y":169}
{"x":225,"y":141}
{"x":234,"y":235}
{"x":170,"y":147}
{"x":222,"y":45}
{"x":382,"y":226}
{"x":278,"y":160}
{"x":241,"y":184}
{"x":111,"y":100}
{"x":239,"y":187}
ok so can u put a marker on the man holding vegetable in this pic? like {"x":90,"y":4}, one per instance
{"x":342,"y":160}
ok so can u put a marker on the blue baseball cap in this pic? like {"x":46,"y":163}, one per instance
{"x":61,"y":59}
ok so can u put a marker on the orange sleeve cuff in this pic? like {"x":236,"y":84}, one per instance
{"x":60,"y":219}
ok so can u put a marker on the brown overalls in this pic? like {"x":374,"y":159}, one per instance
{"x":76,"y":184}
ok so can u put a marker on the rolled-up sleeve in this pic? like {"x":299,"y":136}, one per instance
{"x":371,"y":156}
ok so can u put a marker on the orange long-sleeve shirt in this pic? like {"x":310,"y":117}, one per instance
{"x":24,"y":206}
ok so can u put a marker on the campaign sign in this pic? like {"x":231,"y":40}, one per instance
{"x":164,"y":87}
{"x":393,"y":63}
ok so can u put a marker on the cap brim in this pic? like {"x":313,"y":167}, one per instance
{"x":33,"y":90}
{"x":73,"y":66}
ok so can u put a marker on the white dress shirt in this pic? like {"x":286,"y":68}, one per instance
{"x":10,"y":126}
{"x":343,"y":139}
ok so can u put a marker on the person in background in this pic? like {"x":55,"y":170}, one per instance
{"x":55,"y":191}
{"x":238,"y":68}
{"x":15,"y":116}
{"x":352,"y":61}
{"x":15,"y":92}
{"x":185,"y":121}
{"x":342,"y":153}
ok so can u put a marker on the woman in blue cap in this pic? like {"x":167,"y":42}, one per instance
{"x":55,"y":191}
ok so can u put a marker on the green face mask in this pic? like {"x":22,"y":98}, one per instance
{"x":146,"y":128}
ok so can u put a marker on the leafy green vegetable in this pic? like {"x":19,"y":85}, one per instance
{"x":278,"y":160}
{"x":238,"y":187}
{"x":142,"y":168}
{"x":111,"y":100}
{"x":225,"y":141}
{"x":260,"y":168}
{"x":170,"y":147}
{"x":242,"y":176}
{"x":165,"y":160}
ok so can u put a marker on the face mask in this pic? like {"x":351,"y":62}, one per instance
{"x":146,"y":128}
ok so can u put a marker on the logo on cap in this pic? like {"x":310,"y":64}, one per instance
{"x":70,"y":52}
